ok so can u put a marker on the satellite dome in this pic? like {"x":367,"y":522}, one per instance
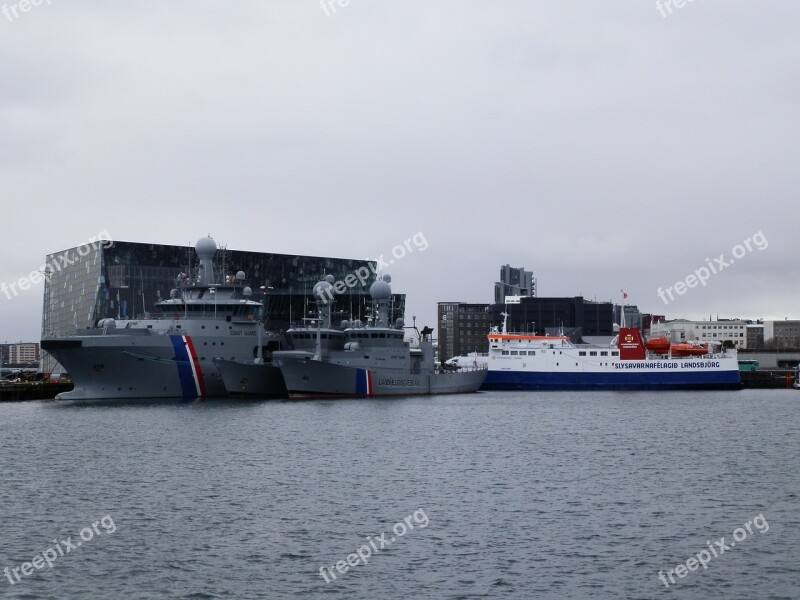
{"x":387,"y":278}
{"x":173,"y":293}
{"x":206,"y":248}
{"x":322,"y":290}
{"x":240,"y":276}
{"x":400,"y":323}
{"x":330,"y":279}
{"x":247,"y":292}
{"x":381,"y":290}
{"x":345,"y":324}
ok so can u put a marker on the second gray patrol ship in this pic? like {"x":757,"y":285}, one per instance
{"x":358,"y":360}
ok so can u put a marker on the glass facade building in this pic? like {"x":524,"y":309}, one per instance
{"x":123,"y":280}
{"x":549,"y":315}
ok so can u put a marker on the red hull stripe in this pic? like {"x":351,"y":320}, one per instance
{"x":197,"y":371}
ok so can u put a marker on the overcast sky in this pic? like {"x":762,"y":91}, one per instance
{"x":600,"y":144}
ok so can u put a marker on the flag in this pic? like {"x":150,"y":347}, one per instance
{"x":624,"y":294}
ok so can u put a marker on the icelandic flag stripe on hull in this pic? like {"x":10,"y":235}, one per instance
{"x":189,"y":371}
{"x":363,"y":382}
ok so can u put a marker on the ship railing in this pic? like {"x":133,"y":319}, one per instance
{"x":478,"y":367}
{"x":710,"y":356}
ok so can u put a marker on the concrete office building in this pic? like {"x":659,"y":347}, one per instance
{"x":19,"y":355}
{"x":723,"y":330}
{"x":782,"y":334}
{"x":514,"y":282}
{"x":463,"y":328}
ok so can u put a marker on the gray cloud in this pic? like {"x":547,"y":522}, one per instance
{"x":598,"y":144}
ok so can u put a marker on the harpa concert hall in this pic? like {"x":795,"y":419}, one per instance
{"x":123,"y":280}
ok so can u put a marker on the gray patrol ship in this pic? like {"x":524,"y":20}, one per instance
{"x":372,"y":360}
{"x":171,"y":355}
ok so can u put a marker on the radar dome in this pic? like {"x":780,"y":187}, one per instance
{"x":247,"y":292}
{"x":330,"y":279}
{"x":240,"y":275}
{"x":381,"y":290}
{"x":322,"y":290}
{"x":387,"y":278}
{"x":206,"y":248}
{"x":345,"y":324}
{"x":400,"y":323}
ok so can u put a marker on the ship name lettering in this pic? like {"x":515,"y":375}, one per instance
{"x":398,"y":382}
{"x":700,"y":364}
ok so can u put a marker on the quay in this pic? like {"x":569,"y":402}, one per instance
{"x":32,"y":390}
{"x":775,"y":379}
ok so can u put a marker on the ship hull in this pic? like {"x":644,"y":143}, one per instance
{"x":721,"y":374}
{"x":249,"y":379}
{"x":313,"y":379}
{"x":144,"y":366}
{"x":618,"y":379}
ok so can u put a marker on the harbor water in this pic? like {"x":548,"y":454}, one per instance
{"x":486,"y":495}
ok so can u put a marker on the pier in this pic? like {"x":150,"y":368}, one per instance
{"x":32,"y":390}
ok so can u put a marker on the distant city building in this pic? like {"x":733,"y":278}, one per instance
{"x":19,"y":355}
{"x":633,"y":318}
{"x":463,"y":329}
{"x":648,"y":320}
{"x":755,"y":336}
{"x":782,"y":334}
{"x":723,"y":330}
{"x":514,"y":282}
{"x":550,"y":315}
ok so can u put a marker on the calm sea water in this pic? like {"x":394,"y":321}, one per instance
{"x":497,"y":495}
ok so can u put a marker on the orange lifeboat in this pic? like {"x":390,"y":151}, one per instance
{"x":689,"y":349}
{"x":659,"y":345}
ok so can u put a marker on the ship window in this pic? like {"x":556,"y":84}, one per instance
{"x":532,"y":353}
{"x":514,"y":353}
{"x":604,"y":354}
{"x":505,"y":352}
{"x":592,"y":353}
{"x":615,"y":353}
{"x":581,"y":353}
